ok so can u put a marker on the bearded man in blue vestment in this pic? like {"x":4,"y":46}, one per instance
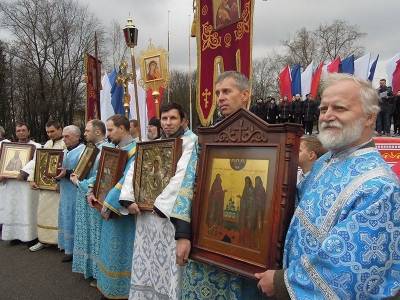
{"x":344,"y":239}
{"x":67,"y":208}
{"x":88,"y":220}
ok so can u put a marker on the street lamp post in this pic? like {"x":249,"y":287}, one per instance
{"x":131,"y":36}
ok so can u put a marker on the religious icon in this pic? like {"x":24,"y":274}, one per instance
{"x":244,"y":193}
{"x":110,"y":171}
{"x":153,"y":68}
{"x":14,"y":156}
{"x":236,"y":205}
{"x":53,"y":163}
{"x":155,"y":164}
{"x":15,"y":163}
{"x":226,"y":12}
{"x":47,"y":160}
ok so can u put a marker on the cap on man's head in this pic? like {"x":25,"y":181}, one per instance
{"x":269,"y":97}
{"x":3,"y":132}
{"x":155,"y":122}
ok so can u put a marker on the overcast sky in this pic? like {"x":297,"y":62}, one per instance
{"x":274,"y":20}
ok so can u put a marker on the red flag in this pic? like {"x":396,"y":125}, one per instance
{"x":315,"y":81}
{"x":224,"y":35}
{"x":285,"y":83}
{"x":396,"y":78}
{"x":333,"y":67}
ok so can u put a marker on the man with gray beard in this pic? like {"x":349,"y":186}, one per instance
{"x":343,"y":240}
{"x":154,"y":129}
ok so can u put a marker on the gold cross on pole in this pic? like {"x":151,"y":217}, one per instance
{"x":124,"y":79}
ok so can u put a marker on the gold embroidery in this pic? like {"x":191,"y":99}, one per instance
{"x":206,"y":93}
{"x":210,"y":40}
{"x":204,"y":10}
{"x":244,"y":26}
{"x":227,"y":40}
{"x":114,"y":274}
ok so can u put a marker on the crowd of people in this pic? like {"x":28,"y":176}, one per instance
{"x":306,"y":112}
{"x":342,"y":242}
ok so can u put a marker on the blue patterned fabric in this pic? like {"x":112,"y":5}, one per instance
{"x":116,"y":243}
{"x":182,"y":208}
{"x":201,"y":282}
{"x":87,"y":226}
{"x":344,"y":239}
{"x":67,"y":208}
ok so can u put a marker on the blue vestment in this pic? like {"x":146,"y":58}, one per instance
{"x":344,"y":239}
{"x":87,"y":225}
{"x":116,"y":242}
{"x":67,"y":208}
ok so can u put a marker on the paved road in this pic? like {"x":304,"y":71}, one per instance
{"x":40,"y":275}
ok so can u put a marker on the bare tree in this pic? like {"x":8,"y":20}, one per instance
{"x":339,"y":39}
{"x":49,"y":39}
{"x":301,"y":48}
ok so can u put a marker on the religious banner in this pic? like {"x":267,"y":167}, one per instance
{"x":224,"y":42}
{"x":93,"y":87}
{"x":154,"y":77}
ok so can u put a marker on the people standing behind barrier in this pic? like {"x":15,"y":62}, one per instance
{"x":284,"y":110}
{"x":272,"y":112}
{"x":309,"y":112}
{"x":386,"y":106}
{"x":297,"y":109}
{"x":259,"y":109}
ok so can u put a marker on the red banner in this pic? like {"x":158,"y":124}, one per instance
{"x":151,"y":103}
{"x":224,"y":42}
{"x":93,"y":87}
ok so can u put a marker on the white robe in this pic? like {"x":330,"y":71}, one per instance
{"x":2,"y":192}
{"x":20,"y":208}
{"x":47,"y":212}
{"x":155,"y":274}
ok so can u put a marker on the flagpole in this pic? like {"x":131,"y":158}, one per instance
{"x":190,"y":83}
{"x":97,"y":78}
{"x":168,"y":52}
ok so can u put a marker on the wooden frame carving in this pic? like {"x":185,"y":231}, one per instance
{"x":155,"y":164}
{"x":244,"y":194}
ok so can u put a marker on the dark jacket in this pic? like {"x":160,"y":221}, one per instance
{"x":259,"y":110}
{"x":272,"y":113}
{"x":309,"y":110}
{"x":284,"y":110}
{"x":386,"y":104}
{"x":297,"y":107}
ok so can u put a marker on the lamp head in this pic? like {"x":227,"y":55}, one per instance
{"x":131,"y":34}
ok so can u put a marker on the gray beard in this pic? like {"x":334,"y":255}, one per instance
{"x":347,"y":135}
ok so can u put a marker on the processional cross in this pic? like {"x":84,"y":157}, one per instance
{"x":124,"y":79}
